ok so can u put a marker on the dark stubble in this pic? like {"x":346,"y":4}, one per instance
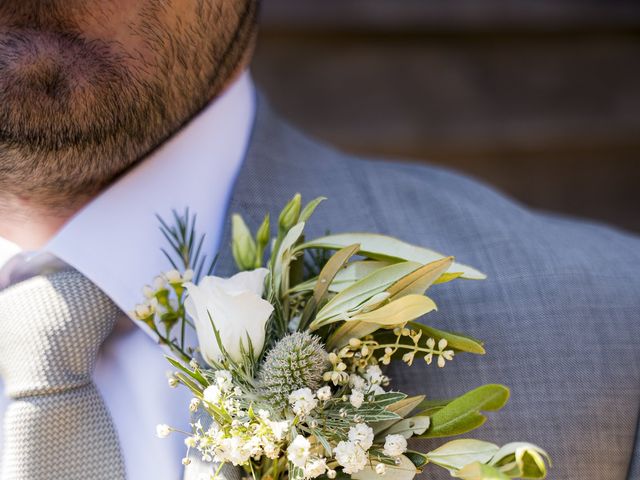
{"x":75,"y":113}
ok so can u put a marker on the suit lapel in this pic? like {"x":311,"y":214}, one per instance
{"x":280,"y":162}
{"x":253,"y":194}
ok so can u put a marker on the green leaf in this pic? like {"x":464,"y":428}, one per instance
{"x":349,"y":330}
{"x":419,"y":281}
{"x":409,"y":427}
{"x":480,"y":471}
{"x":429,"y":407}
{"x":290,"y":213}
{"x":326,"y":276}
{"x":354,"y":272}
{"x":521,"y":459}
{"x":295,"y":473}
{"x":458,"y":453}
{"x":398,"y":311}
{"x":309,"y":208}
{"x":193,"y":374}
{"x":456,"y":341}
{"x":190,"y":384}
{"x":389,"y":399}
{"x":243,"y":246}
{"x":382,"y":247}
{"x":405,"y":470}
{"x":417,"y":458}
{"x":463,"y":414}
{"x":284,"y":255}
{"x":401,"y":407}
{"x":350,"y":298}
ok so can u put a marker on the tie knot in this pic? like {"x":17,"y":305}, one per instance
{"x":51,"y":329}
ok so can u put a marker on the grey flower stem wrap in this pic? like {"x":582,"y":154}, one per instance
{"x":57,"y":425}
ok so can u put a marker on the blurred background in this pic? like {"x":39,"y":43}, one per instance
{"x":540,"y":98}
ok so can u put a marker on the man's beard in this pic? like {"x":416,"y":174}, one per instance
{"x":71,"y":116}
{"x":75,"y":113}
{"x":68,"y":110}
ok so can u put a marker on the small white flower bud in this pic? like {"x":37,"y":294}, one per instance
{"x":163,"y":430}
{"x":324,"y":393}
{"x":356,"y":398}
{"x":148,"y":292}
{"x":194,"y":404}
{"x":381,"y":469}
{"x":331,"y":474}
{"x":187,"y":276}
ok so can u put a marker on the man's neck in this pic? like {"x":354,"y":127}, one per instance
{"x":31,"y":226}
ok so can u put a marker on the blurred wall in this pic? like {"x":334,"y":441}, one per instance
{"x":539,"y":98}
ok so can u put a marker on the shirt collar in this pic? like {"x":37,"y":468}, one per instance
{"x":115,"y":240}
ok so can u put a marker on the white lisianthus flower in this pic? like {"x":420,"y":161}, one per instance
{"x":395,"y":445}
{"x":298,"y":451}
{"x":237,"y":309}
{"x":163,"y":430}
{"x":302,"y":401}
{"x":315,"y":468}
{"x":356,"y":398}
{"x":362,"y":434}
{"x":324,"y":393}
{"x":351,"y":456}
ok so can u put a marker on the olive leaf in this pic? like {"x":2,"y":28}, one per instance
{"x":456,"y":454}
{"x":480,"y":471}
{"x":383,"y":247}
{"x":463,"y":414}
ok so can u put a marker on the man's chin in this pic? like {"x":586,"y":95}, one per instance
{"x":56,"y":90}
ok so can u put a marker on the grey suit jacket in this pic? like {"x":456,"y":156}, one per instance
{"x":559,"y":313}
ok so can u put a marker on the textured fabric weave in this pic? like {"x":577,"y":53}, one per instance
{"x":57,"y":426}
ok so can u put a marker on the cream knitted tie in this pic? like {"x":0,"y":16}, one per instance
{"x":57,"y":426}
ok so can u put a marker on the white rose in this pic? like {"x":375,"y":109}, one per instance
{"x":395,"y":445}
{"x":237,"y":309}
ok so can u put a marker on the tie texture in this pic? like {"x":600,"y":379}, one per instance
{"x":56,"y":425}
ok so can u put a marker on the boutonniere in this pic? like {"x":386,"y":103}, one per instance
{"x":290,"y":368}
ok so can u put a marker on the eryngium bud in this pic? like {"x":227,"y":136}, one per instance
{"x":296,"y":361}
